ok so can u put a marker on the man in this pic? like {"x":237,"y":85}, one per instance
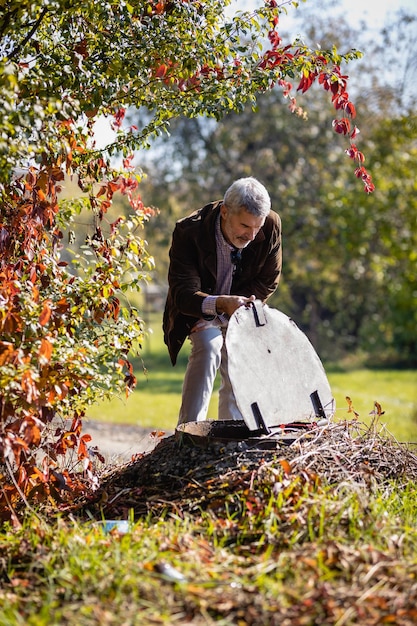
{"x":222,"y":256}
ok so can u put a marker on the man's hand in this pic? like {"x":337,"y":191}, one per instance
{"x":229,"y":304}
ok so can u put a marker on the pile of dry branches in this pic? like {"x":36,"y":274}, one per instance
{"x":184,"y":477}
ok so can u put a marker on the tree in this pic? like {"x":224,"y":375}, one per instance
{"x":67,"y":329}
{"x":348,"y":277}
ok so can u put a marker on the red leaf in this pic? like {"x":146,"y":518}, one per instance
{"x":350,"y":109}
{"x":118,"y":117}
{"x":161,"y":71}
{"x":306,"y":82}
{"x":354,"y":132}
{"x":354,"y":154}
{"x":342,"y":126}
{"x":113,"y":185}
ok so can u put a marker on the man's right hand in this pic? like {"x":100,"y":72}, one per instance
{"x":229,"y":304}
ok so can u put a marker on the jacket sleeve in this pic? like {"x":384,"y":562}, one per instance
{"x":184,"y":275}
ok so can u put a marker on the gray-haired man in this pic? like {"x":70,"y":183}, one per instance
{"x":222,"y":256}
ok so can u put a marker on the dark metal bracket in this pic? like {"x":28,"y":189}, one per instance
{"x":317,"y":405}
{"x":258,"y":313}
{"x":262,"y":427}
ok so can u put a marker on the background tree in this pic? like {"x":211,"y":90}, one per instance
{"x":349,"y":276}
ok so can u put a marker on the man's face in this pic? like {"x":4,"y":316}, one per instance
{"x":241,"y":228}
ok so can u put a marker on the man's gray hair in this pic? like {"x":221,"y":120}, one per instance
{"x":249,"y":194}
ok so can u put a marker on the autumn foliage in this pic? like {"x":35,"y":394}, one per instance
{"x":58,"y":338}
{"x":66,"y":327}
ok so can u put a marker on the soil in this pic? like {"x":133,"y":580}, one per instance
{"x":120,"y":442}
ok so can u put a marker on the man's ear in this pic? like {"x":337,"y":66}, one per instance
{"x":223,"y":210}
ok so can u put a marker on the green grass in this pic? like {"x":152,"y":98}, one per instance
{"x":156,"y":401}
{"x":269,"y":546}
{"x":394,"y":390}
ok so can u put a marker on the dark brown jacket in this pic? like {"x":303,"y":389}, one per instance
{"x":192,"y":270}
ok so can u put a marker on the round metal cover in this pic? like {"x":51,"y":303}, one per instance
{"x":276,"y":375}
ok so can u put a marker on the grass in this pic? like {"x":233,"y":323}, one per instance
{"x":395,"y":390}
{"x":278,"y":546}
{"x":291,"y":550}
{"x":156,"y":401}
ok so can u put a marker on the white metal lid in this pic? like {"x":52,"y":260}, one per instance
{"x":276,"y":375}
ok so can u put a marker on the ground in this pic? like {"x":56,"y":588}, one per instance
{"x":120,"y":441}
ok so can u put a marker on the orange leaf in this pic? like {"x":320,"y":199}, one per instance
{"x":157,"y":434}
{"x":28,"y":386}
{"x":32,"y":435}
{"x":70,"y":439}
{"x":378,"y":408}
{"x":45,"y":351}
{"x":82,"y":450}
{"x":51,"y":395}
{"x":350,"y":407}
{"x":6,"y":352}
{"x":46,"y":313}
{"x":285,"y":466}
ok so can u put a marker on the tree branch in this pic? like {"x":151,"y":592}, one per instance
{"x":35,"y":26}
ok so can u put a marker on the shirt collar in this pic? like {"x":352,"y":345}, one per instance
{"x":220,"y":240}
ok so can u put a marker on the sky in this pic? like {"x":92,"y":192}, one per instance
{"x":375,"y":12}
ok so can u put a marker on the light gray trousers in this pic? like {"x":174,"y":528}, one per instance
{"x":208,"y":355}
